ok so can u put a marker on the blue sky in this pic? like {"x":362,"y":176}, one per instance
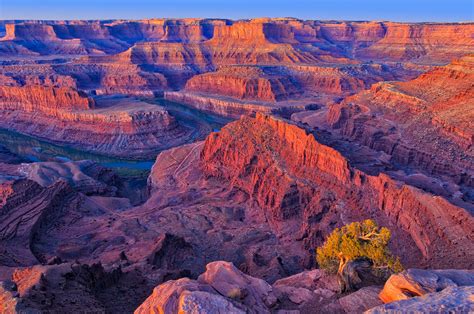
{"x":395,"y":10}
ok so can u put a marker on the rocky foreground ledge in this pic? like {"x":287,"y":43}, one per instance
{"x":225,"y":289}
{"x":222,"y":288}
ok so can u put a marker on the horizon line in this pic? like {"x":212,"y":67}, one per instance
{"x":235,"y":19}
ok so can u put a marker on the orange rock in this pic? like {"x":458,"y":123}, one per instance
{"x":244,"y":83}
{"x":418,"y":282}
{"x":269,"y":40}
{"x":43,"y":99}
{"x":286,"y":171}
{"x":425,"y":122}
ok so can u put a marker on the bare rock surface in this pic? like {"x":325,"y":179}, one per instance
{"x":71,"y":287}
{"x":361,"y":300}
{"x":418,"y":282}
{"x":277,"y":39}
{"x":221,"y":289}
{"x":425,"y":123}
{"x":449,"y":300}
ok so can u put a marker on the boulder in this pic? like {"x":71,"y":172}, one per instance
{"x":221,"y":289}
{"x":361,"y":300}
{"x":450,"y":300}
{"x":418,"y":282}
{"x":186,"y":296}
{"x":229,"y":281}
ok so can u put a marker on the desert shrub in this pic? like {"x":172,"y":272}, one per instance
{"x":358,"y":240}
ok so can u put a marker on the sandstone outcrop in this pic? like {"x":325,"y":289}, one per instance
{"x":186,"y":296}
{"x":267,"y":40}
{"x":69,"y":287}
{"x":449,"y":300}
{"x":244,"y":83}
{"x":425,"y":123}
{"x":121,"y":127}
{"x":43,"y":99}
{"x":287,"y":172}
{"x":418,"y":282}
{"x":222,"y":288}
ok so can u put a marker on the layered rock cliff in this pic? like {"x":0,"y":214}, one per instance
{"x":127,"y":128}
{"x":424,"y":123}
{"x":65,"y":115}
{"x":244,"y":83}
{"x":261,"y":193}
{"x":31,"y":205}
{"x":236,"y":90}
{"x":285,"y":40}
{"x":224,"y":106}
{"x":49,"y":100}
{"x":295,"y":178}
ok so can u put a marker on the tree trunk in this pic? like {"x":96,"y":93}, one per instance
{"x":351,"y":274}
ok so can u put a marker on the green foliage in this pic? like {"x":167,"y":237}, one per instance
{"x":357,"y":240}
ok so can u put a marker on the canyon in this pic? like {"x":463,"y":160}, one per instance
{"x":171,"y":165}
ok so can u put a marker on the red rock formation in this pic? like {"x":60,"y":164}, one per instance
{"x":122,"y":130}
{"x":130,"y":80}
{"x":289,"y":173}
{"x":418,"y":282}
{"x":420,"y":41}
{"x":424,"y":123}
{"x":244,"y":83}
{"x":224,"y":288}
{"x":345,"y":80}
{"x":67,"y":116}
{"x":261,"y":193}
{"x":275,"y":40}
{"x":235,"y":90}
{"x":227,"y":107}
{"x":34,"y":74}
{"x":25,"y":206}
{"x":422,"y":290}
{"x":448,"y":92}
{"x":452,"y":299}
{"x":43,"y":99}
